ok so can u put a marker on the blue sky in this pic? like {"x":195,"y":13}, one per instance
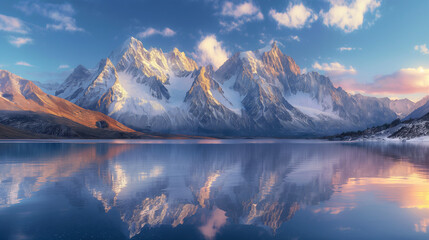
{"x":375,"y":47}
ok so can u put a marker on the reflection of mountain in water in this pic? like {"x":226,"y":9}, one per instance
{"x":206,"y":185}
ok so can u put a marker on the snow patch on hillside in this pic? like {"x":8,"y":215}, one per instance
{"x":230,"y":98}
{"x":311,"y":107}
{"x":178,"y":88}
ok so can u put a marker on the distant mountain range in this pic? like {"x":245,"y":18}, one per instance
{"x":259,"y":93}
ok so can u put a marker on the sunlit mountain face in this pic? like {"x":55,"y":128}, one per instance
{"x":277,"y":190}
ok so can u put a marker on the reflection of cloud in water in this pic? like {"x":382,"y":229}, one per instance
{"x":422,"y":226}
{"x":213,"y":223}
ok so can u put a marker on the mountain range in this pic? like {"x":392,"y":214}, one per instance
{"x":254,"y":93}
{"x":259,"y":93}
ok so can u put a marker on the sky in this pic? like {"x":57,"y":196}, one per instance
{"x":374,"y":47}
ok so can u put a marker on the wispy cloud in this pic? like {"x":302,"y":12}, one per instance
{"x":211,"y":51}
{"x":422,"y":48}
{"x":63,"y":66}
{"x":334,"y":69}
{"x":12,"y":24}
{"x":295,"y":38}
{"x":342,"y":49}
{"x":349,"y":15}
{"x":22,"y":63}
{"x":295,"y":16}
{"x":167,"y":32}
{"x":61,"y":14}
{"x":240,"y":13}
{"x":19,"y":41}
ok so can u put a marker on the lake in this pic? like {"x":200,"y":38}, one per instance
{"x":213,"y":189}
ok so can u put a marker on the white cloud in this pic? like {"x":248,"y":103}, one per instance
{"x":22,"y":63}
{"x":61,"y":14}
{"x":167,"y":32}
{"x":211,"y":51}
{"x":342,"y":49}
{"x":63,"y":66}
{"x":11,"y":24}
{"x":241,"y":10}
{"x":422,"y":48}
{"x":241,"y":13}
{"x":295,"y":38}
{"x":334,"y":69}
{"x":349,"y":15}
{"x":19,"y":41}
{"x":296,"y":16}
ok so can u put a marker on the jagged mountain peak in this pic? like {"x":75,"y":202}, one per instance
{"x":280,"y":62}
{"x":274,"y":47}
{"x":178,"y":61}
{"x":202,"y":78}
{"x":78,"y":73}
{"x":132,"y":43}
{"x":129,"y":47}
{"x":80,"y":68}
{"x":176,"y":51}
{"x":105,"y":62}
{"x":105,"y":69}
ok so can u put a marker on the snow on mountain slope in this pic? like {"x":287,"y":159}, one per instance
{"x":402,"y":107}
{"x":414,"y":130}
{"x":230,"y":98}
{"x":419,"y":112}
{"x":74,"y":83}
{"x":312,"y":107}
{"x":421,"y":108}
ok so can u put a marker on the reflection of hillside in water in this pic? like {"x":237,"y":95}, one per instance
{"x":27,"y":167}
{"x":209,"y":185}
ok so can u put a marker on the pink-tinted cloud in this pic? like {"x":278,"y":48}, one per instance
{"x":404,"y":81}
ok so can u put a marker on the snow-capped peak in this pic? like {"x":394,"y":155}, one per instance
{"x":131,"y":45}
{"x":280,"y":62}
{"x":178,"y":62}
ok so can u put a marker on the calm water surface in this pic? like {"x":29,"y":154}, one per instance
{"x":280,"y":189}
